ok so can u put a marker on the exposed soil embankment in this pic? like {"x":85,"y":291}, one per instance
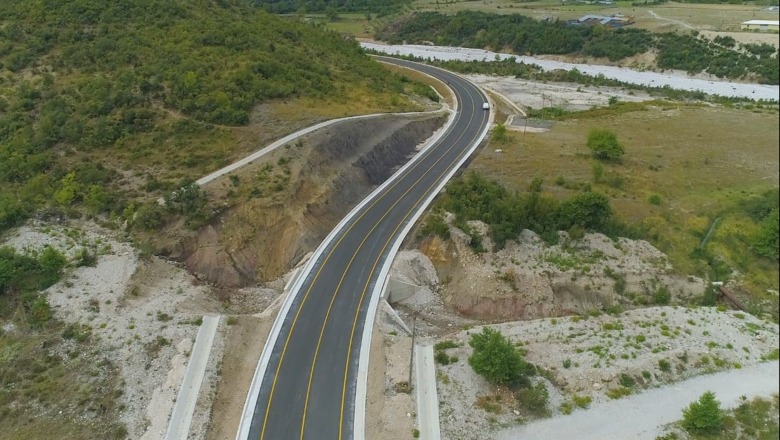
{"x":529,"y":279}
{"x":281,"y":207}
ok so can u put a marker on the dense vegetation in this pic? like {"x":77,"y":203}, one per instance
{"x":524,"y":35}
{"x":381,"y":7}
{"x":475,"y":198}
{"x":22,"y":276}
{"x":87,"y":86}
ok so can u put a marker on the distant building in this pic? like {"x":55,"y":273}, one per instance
{"x":761,"y":25}
{"x":612,"y":21}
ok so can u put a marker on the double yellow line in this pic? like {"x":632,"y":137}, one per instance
{"x":338,"y":288}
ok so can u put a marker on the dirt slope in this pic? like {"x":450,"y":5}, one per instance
{"x":278,"y":209}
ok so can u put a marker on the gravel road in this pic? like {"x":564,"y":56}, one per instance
{"x":641,"y":416}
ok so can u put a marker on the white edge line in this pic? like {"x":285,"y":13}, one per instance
{"x":360,"y":392}
{"x":254,"y":388}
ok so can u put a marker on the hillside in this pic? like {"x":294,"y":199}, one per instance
{"x":103,"y":104}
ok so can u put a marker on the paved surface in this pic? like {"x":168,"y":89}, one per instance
{"x":427,"y":398}
{"x":181,"y":417}
{"x":309,"y":384}
{"x":640,"y":416}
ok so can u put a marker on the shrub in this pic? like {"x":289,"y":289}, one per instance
{"x":627,"y":381}
{"x":662,"y":296}
{"x":655,"y":199}
{"x":604,"y":144}
{"x":534,"y":398}
{"x":84,"y":257}
{"x":435,"y":225}
{"x":582,"y":401}
{"x":703,"y":416}
{"x":499,"y":133}
{"x":443,"y":345}
{"x":617,"y":393}
{"x":441,"y":357}
{"x":664,"y":365}
{"x":496,"y":359}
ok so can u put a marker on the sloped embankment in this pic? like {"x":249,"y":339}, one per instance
{"x":281,"y":207}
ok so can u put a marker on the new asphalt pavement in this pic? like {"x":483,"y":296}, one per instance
{"x":309,"y":385}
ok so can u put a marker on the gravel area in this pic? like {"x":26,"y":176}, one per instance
{"x":143,"y":314}
{"x":586,"y":356}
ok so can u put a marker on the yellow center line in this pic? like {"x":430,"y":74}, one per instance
{"x":316,"y":276}
{"x":344,"y":274}
{"x":362,"y":297}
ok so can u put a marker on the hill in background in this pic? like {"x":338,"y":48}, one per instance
{"x":104,"y":103}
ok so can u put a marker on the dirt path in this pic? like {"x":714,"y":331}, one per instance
{"x":643,"y":415}
{"x":681,"y":23}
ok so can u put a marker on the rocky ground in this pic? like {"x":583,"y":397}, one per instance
{"x":530,"y":279}
{"x":584,"y":346}
{"x":596,"y":357}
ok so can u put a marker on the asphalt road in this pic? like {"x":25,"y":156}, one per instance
{"x":308,"y":389}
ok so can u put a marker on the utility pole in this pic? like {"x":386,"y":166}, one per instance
{"x":501,"y":159}
{"x":525,"y":130}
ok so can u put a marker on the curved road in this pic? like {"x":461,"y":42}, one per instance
{"x":308,"y":388}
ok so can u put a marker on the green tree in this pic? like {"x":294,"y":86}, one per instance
{"x":604,"y":144}
{"x":499,"y":133}
{"x":496,"y":359}
{"x":589,"y":210}
{"x":332,"y":13}
{"x":703,"y":416}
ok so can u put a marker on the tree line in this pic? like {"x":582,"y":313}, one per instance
{"x":381,"y":7}
{"x":474,"y":197}
{"x":527,"y":36}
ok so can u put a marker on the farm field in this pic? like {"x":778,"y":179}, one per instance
{"x":699,"y":16}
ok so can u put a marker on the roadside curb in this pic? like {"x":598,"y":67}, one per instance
{"x":427,"y":397}
{"x":187,"y":398}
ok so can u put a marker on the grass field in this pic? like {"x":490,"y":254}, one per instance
{"x":700,"y":162}
{"x":700,"y":16}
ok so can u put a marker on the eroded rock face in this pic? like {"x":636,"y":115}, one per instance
{"x":330,"y":172}
{"x":529,"y":279}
